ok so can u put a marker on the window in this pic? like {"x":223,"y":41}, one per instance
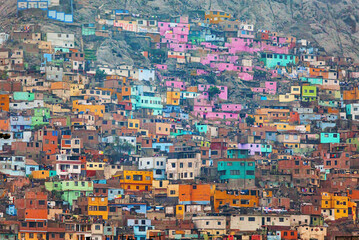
{"x":41,"y":202}
{"x":250,"y":172}
{"x":281,"y":219}
{"x":251,"y":219}
{"x":235,"y":172}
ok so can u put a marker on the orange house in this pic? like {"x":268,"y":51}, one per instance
{"x":32,"y":207}
{"x":215,"y":17}
{"x":49,"y":140}
{"x":244,"y":198}
{"x":4,"y":102}
{"x":289,"y":234}
{"x":194,"y":194}
{"x":352,"y":94}
{"x":318,"y":72}
{"x":126,"y":93}
{"x":4,"y":124}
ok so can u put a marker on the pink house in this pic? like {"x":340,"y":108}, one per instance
{"x":245,"y":76}
{"x":224,"y":90}
{"x":161,"y":66}
{"x":176,"y":84}
{"x":209,"y":45}
{"x":202,"y":109}
{"x":218,"y":115}
{"x":231,"y":107}
{"x":181,"y":47}
{"x":181,"y":30}
{"x":271,"y":87}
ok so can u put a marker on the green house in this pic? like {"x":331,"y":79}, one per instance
{"x":236,"y":169}
{"x":42,"y":112}
{"x":272,"y":60}
{"x":24,"y":96}
{"x":309,"y":93}
{"x":41,"y":116}
{"x":70,"y":190}
{"x":88,"y":29}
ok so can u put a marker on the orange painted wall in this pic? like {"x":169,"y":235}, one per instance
{"x":4,"y":102}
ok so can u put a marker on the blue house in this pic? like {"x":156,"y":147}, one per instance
{"x":11,"y":210}
{"x":30,"y":166}
{"x":162,"y":146}
{"x":140,"y":227}
{"x":146,"y":74}
{"x":20,"y":123}
{"x":114,"y":193}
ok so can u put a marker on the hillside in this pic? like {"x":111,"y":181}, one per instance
{"x":333,"y":24}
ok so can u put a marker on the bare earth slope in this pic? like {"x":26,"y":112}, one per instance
{"x":333,"y":24}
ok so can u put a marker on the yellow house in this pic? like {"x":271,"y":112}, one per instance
{"x":173,"y":98}
{"x":160,"y":184}
{"x":98,"y":110}
{"x":95,"y":166}
{"x":41,"y":174}
{"x":180,"y":211}
{"x":45,"y":47}
{"x":173,"y":190}
{"x":287,"y":98}
{"x":134,"y":124}
{"x":295,"y":90}
{"x":260,"y":118}
{"x":137,"y":180}
{"x":205,"y":144}
{"x":341,"y":206}
{"x":32,"y":235}
{"x":76,"y":89}
{"x":98,"y":206}
{"x":163,"y":129}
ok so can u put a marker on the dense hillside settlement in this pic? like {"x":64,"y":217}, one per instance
{"x":210,"y":128}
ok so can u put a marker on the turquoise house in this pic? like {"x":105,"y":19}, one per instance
{"x":24,"y":96}
{"x":147,"y":102}
{"x":236,"y":169}
{"x":202,"y":128}
{"x":266,"y":149}
{"x":272,"y":60}
{"x":329,"y":138}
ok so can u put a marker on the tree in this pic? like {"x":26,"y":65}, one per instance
{"x":250,"y":120}
{"x":118,"y":149}
{"x":213,"y":92}
{"x":100,"y":75}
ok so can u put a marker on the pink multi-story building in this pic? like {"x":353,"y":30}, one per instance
{"x":271,"y":87}
{"x":176,"y":84}
{"x":231,"y":107}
